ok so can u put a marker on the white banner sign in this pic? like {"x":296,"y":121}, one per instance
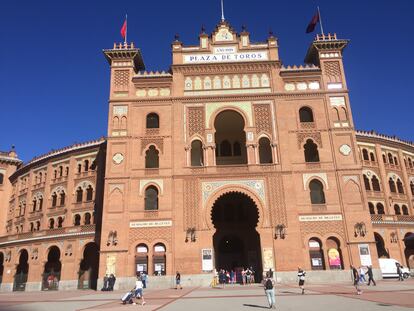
{"x":207,"y":259}
{"x":146,"y":224}
{"x":320,"y":217}
{"x":225,"y":57}
{"x":364,"y":255}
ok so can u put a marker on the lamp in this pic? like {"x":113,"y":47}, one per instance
{"x":280,"y":231}
{"x":360,"y":229}
{"x":190,"y":235}
{"x":393,"y":237}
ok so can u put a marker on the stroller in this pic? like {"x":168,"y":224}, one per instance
{"x":128,"y":297}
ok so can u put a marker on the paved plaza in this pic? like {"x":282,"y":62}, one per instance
{"x":387,"y":295}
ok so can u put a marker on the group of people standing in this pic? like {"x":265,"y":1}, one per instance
{"x":108,"y":282}
{"x":234,"y":276}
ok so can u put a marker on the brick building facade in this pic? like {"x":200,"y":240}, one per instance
{"x":228,"y":160}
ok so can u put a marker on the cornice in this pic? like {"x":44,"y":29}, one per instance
{"x":392,"y":141}
{"x":225,"y":67}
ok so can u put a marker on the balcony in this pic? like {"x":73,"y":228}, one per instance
{"x":49,"y":233}
{"x":35,"y":215}
{"x":374,"y":194}
{"x":56,"y":211}
{"x":369,"y":163}
{"x":392,"y":219}
{"x":39,"y":185}
{"x":319,"y":208}
{"x":59,"y":179}
{"x":88,"y":173}
{"x":83,"y":206}
{"x":307,"y":125}
{"x":392,"y":166}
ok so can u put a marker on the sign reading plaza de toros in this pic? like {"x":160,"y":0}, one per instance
{"x":225,"y":54}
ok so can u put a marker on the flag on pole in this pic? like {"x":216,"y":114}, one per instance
{"x":124,"y":30}
{"x":313,"y":22}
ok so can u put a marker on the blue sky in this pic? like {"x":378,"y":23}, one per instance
{"x":54,"y":79}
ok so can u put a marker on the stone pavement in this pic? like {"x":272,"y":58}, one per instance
{"x":387,"y":295}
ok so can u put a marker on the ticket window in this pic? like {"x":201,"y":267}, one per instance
{"x":159,"y":259}
{"x":316,"y":255}
{"x":141,"y":260}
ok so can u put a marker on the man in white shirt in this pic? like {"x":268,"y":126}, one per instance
{"x":139,"y":292}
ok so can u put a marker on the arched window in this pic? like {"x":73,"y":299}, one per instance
{"x":397,"y":209}
{"x":37,"y":225}
{"x":60,"y":222}
{"x":371,"y":208}
{"x":51,"y":223}
{"x":410,"y":163}
{"x":54,"y":199}
{"x":391,"y":183}
{"x":40,"y":177}
{"x":60,"y":171}
{"x":141,"y":258}
{"x":390,"y":159}
{"x":89,"y":193}
{"x":86,"y":165}
{"x":311,"y":151}
{"x":151,"y":198}
{"x":380,"y":209}
{"x":34,"y":205}
{"x":159,"y":259}
{"x":365,"y":154}
{"x":55,"y":174}
{"x":400,"y":186}
{"x":372,"y":156}
{"x":87,"y":219}
{"x":79,"y":168}
{"x":375,"y":183}
{"x":237,"y":149}
{"x":316,"y":192}
{"x":153,"y":121}
{"x":197,"y":153}
{"x":265,"y":151}
{"x":79,"y":195}
{"x":1,"y":178}
{"x":305,"y":114}
{"x":335,"y":260}
{"x":31,"y":227}
{"x":395,"y":161}
{"x":62,"y":198}
{"x":404,"y":210}
{"x":152,"y":157}
{"x":77,"y":220}
{"x":316,"y":254}
{"x":384,"y":158}
{"x":67,"y":171}
{"x":366,"y":183}
{"x":225,"y":149}
{"x":412,"y":187}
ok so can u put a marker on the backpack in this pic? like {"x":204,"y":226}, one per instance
{"x":268,"y":284}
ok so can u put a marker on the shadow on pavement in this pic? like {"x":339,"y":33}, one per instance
{"x":255,"y":306}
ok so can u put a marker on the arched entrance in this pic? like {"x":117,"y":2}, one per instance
{"x":236,"y":241}
{"x":22,"y":270}
{"x":51,"y":273}
{"x":381,"y":250}
{"x":230,"y":138}
{"x":88,"y":268}
{"x":409,"y":249}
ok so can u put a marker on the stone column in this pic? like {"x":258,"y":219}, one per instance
{"x":251,"y":157}
{"x":384,"y":181}
{"x":274,"y":153}
{"x":406,"y":180}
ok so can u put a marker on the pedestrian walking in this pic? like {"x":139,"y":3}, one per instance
{"x":362,"y":275}
{"x":370,"y":276}
{"x":270,"y":292}
{"x":399,"y":272}
{"x":139,"y":291}
{"x":178,"y":280}
{"x":301,"y":276}
{"x":355,"y":276}
{"x":144,"y":278}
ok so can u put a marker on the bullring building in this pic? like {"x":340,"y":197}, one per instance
{"x":231,"y":159}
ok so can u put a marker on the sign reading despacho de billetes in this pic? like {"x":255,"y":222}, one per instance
{"x":320,"y":217}
{"x":225,"y":57}
{"x":154,"y":223}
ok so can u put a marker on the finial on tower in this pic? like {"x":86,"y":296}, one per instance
{"x":222,"y":11}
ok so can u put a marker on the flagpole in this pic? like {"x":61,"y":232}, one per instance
{"x":126,"y":28}
{"x":222,"y":11}
{"x":320,"y":21}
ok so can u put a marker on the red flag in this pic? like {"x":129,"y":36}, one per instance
{"x":124,"y":29}
{"x":313,"y":22}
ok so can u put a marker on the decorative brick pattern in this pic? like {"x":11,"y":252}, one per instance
{"x":121,"y":78}
{"x":196,"y":123}
{"x":332,"y":69}
{"x":159,"y":142}
{"x":277,"y":208}
{"x":262,"y":118}
{"x":150,"y":235}
{"x":191,"y":200}
{"x":322,"y":228}
{"x":315,"y":136}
